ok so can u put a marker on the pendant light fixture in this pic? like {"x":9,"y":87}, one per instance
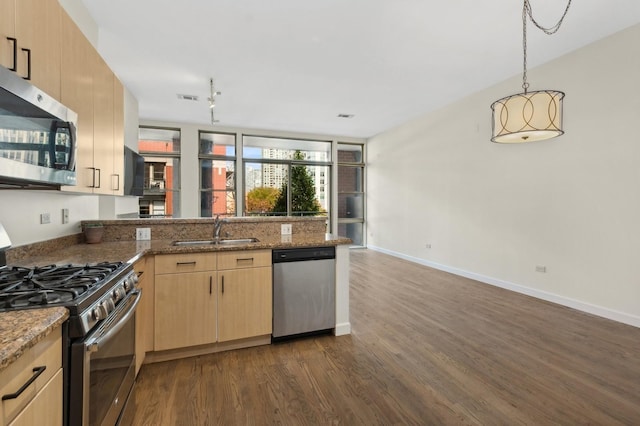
{"x":212,"y":101}
{"x":531,"y":115}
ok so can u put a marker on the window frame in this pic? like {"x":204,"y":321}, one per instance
{"x":289,"y":163}
{"x":151,"y":157}
{"x":217,"y":157}
{"x":356,"y":165}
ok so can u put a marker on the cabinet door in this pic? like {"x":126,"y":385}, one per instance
{"x":38,"y":29}
{"x":144,"y":312}
{"x":117,"y":176}
{"x":245,"y":303}
{"x":76,"y":93}
{"x":46,"y":406}
{"x":102,"y":126}
{"x":7,"y":29}
{"x":185,"y":310}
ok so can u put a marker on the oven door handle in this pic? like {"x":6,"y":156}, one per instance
{"x":93,"y":344}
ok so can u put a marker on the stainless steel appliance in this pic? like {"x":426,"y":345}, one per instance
{"x":304,"y":298}
{"x":37,"y":136}
{"x":98,"y":338}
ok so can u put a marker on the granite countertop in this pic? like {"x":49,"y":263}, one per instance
{"x":21,"y":330}
{"x":131,"y":251}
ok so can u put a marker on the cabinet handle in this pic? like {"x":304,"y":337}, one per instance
{"x":117,"y":186}
{"x":210,"y":284}
{"x":28,"y":52}
{"x":185,"y":263}
{"x":37,"y":371}
{"x":93,"y":174}
{"x":99,"y":178}
{"x":244,"y":259}
{"x":223,"y":284}
{"x":140,"y":274}
{"x":14,"y":41}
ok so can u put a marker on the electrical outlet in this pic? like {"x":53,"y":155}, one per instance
{"x":65,"y":216}
{"x":285,"y":229}
{"x":285,"y":238}
{"x":428,"y":245}
{"x":45,"y":218}
{"x":143,"y":234}
{"x":541,"y":268}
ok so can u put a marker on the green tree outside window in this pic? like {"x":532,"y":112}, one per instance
{"x":303,"y":192}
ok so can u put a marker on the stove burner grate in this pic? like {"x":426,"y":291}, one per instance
{"x":51,"y":284}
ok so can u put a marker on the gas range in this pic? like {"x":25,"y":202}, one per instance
{"x":90,"y":292}
{"x":98,"y":339}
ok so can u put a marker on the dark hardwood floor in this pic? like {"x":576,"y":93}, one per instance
{"x":427,"y":348}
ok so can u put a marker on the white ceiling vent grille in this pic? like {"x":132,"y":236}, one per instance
{"x":188,"y":97}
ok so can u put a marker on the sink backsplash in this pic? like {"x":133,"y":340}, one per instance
{"x":202,"y":229}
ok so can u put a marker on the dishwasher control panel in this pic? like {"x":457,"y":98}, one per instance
{"x":302,"y":254}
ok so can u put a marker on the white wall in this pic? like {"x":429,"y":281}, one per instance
{"x":20,"y":214}
{"x":493,"y":212}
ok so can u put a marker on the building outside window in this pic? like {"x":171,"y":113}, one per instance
{"x":286,"y":176}
{"x":351,"y":208}
{"x":160,"y":148}
{"x":217,"y":155}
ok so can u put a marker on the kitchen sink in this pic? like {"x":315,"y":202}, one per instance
{"x":237,"y":241}
{"x":223,"y":242}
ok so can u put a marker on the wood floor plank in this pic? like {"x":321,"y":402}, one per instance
{"x":427,"y":348}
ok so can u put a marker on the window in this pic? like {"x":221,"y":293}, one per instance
{"x":351,"y":192}
{"x":286,"y":176}
{"x":161,"y":151}
{"x":217,"y":154}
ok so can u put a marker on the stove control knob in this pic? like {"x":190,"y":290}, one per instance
{"x":130,"y":282}
{"x":118,"y":293}
{"x":108,"y":306}
{"x":99,"y":313}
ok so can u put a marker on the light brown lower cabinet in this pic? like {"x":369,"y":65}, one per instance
{"x":144,"y":312}
{"x":45,"y":408}
{"x":185,"y":310}
{"x":40,"y":402}
{"x":204,"y":298}
{"x":244,"y":303}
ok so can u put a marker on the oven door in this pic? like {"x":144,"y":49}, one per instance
{"x":103,"y":368}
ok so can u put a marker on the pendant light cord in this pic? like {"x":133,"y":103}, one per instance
{"x":528,"y":12}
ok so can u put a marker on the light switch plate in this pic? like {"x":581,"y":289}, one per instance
{"x":285,"y":229}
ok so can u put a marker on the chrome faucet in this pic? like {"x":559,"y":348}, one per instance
{"x":217,"y":226}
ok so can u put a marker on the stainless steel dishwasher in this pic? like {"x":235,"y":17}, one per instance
{"x":304,"y":291}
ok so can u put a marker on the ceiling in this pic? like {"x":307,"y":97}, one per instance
{"x":295,"y":65}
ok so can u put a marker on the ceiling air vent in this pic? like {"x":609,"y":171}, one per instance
{"x":188,"y":97}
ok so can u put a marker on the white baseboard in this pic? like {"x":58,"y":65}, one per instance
{"x":550,"y":297}
{"x":342,"y":329}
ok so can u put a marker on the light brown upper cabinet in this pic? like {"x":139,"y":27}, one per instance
{"x":30,"y":41}
{"x":90,"y":88}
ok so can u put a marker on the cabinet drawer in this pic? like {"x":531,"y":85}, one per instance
{"x":187,"y":262}
{"x":45,"y":408}
{"x":46,"y":353}
{"x":244,"y":259}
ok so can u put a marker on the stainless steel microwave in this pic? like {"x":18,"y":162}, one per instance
{"x":37,"y":136}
